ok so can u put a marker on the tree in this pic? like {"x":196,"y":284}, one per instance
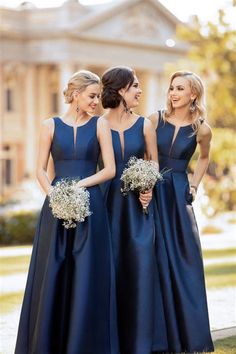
{"x":213,"y":48}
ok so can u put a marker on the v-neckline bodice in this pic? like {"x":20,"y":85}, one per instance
{"x":75,"y":129}
{"x":121,"y":136}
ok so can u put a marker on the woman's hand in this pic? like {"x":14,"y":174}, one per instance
{"x":80,"y":183}
{"x":145,"y":198}
{"x":193,"y":191}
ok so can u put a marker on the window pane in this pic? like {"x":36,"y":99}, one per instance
{"x":54,"y":102}
{"x":8,"y":176}
{"x":9,"y":100}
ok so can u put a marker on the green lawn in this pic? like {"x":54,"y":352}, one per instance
{"x":225,"y":346}
{"x":220,"y":275}
{"x":219,"y":253}
{"x":16,"y":264}
{"x":10,"y":302}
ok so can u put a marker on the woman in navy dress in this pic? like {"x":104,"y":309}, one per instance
{"x":68,"y":302}
{"x":179,"y":130}
{"x":132,"y":232}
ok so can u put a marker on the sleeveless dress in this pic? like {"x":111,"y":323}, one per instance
{"x":133,"y":249}
{"x":69,"y":303}
{"x":178,"y":248}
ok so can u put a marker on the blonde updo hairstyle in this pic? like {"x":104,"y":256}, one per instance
{"x":78,"y":82}
{"x":196,"y":85}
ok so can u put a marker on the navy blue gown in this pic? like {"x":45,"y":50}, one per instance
{"x":133,"y":239}
{"x":69,"y":305}
{"x":186,"y":327}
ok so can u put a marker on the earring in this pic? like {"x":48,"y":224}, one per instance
{"x":193,"y":106}
{"x":77,"y":108}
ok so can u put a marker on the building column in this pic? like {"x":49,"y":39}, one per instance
{"x":30,"y":119}
{"x":66,"y":70}
{"x":2,"y":105}
{"x":153,"y":93}
{"x":42,"y":93}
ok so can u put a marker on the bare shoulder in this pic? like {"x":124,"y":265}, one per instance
{"x":204,"y":132}
{"x":47,"y":125}
{"x":154,"y":117}
{"x":148,"y":124}
{"x":49,"y":122}
{"x":148,"y":129}
{"x":103,"y":126}
{"x":103,"y":122}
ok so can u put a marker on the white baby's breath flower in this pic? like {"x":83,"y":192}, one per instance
{"x":69,"y":202}
{"x":140,"y":175}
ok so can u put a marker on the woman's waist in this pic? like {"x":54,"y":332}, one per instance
{"x":174,"y":165}
{"x":74,"y":168}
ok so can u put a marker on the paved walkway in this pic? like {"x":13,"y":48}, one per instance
{"x":223,"y":333}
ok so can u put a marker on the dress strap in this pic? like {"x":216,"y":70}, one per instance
{"x":140,"y":122}
{"x":55,"y":119}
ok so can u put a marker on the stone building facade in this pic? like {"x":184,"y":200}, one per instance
{"x":41,"y":48}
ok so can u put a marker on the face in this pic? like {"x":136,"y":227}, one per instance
{"x":132,"y":95}
{"x":89,"y":98}
{"x":180,"y":93}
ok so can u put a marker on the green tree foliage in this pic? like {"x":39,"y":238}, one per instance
{"x":220,"y":180}
{"x":213,"y":48}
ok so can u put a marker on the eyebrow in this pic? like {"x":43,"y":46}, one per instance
{"x":177,"y":85}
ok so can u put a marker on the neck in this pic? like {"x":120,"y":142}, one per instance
{"x":118,"y":114}
{"x":73,"y":116}
{"x":182,"y":114}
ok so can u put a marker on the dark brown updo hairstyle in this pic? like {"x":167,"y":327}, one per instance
{"x":113,"y":80}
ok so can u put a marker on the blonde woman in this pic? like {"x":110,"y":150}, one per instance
{"x":180,"y":128}
{"x":67,"y":307}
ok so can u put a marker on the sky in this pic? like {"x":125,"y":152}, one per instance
{"x":183,"y":9}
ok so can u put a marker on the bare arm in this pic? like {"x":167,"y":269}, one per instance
{"x":154,"y":118}
{"x":151,"y":154}
{"x":51,"y":169}
{"x":150,"y":141}
{"x":45,"y":141}
{"x":105,"y":141}
{"x":204,"y":139}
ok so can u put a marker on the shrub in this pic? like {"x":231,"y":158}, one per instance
{"x":18,"y":227}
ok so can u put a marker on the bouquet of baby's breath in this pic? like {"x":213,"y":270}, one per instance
{"x":140,"y":175}
{"x":69,"y":202}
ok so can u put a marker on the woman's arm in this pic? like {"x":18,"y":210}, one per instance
{"x":50,"y":169}
{"x":45,"y":141}
{"x":150,"y":154}
{"x":150,"y":141}
{"x":204,"y":136}
{"x":105,"y":141}
{"x":154,"y":118}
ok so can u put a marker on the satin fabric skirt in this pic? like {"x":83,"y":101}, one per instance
{"x":69,"y":304}
{"x":138,"y":295}
{"x":180,"y":267}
